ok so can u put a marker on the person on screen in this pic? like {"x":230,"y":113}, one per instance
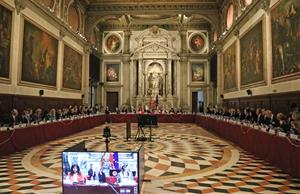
{"x":75,"y":176}
{"x":101,"y":176}
{"x":91,"y":173}
{"x":125,"y":174}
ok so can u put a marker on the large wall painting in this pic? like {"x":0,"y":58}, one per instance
{"x":72,"y":69}
{"x":5,"y":40}
{"x":112,"y":72}
{"x":197,"y":72}
{"x":252,"y":58}
{"x":229,"y":68}
{"x":285,"y":21}
{"x":39,"y":57}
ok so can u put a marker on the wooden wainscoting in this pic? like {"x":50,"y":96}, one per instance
{"x":20,"y":102}
{"x":277,"y":102}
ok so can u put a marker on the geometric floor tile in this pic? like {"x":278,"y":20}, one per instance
{"x":183,"y":158}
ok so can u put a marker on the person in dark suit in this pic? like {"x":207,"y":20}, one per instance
{"x":14,"y":118}
{"x":101,"y":176}
{"x":91,"y":173}
{"x":259,"y":116}
{"x":107,"y":110}
{"x":282,"y":122}
{"x":25,"y":117}
{"x":248,"y":116}
{"x":37,"y":116}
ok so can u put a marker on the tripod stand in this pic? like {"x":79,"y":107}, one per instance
{"x":106,"y":144}
{"x":140,"y":134}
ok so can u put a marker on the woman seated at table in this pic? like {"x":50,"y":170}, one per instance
{"x":75,"y":176}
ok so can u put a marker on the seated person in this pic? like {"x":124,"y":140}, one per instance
{"x":75,"y":176}
{"x":37,"y":116}
{"x":14,"y":118}
{"x":107,"y":110}
{"x":52,"y":114}
{"x":25,"y":118}
{"x":117,"y":110}
{"x":295,"y":123}
{"x":283,"y":124}
{"x":172,"y":111}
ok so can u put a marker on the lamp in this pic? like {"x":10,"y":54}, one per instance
{"x":41,"y":92}
{"x":249,"y":92}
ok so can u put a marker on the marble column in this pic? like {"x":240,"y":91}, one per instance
{"x":99,"y":41}
{"x":184,"y":84}
{"x":126,"y":68}
{"x":127,"y":34}
{"x":175,"y":78}
{"x":126,"y":79}
{"x":219,"y":74}
{"x":183,"y":70}
{"x":86,"y":72}
{"x":141,"y":79}
{"x":132,"y":81}
{"x":100,"y":88}
{"x":183,"y":38}
{"x":169,"y":78}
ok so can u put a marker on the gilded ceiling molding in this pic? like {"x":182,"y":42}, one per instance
{"x":90,"y":23}
{"x":219,"y":47}
{"x":138,"y":27}
{"x":87,"y":49}
{"x":141,"y":8}
{"x":20,"y":5}
{"x":265,"y":5}
{"x":236,"y":32}
{"x":62,"y":34}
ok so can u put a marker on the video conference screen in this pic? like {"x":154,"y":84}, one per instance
{"x":100,"y":172}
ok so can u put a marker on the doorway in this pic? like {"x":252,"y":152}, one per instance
{"x":197,"y":101}
{"x":112,"y":100}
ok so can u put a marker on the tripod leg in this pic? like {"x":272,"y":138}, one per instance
{"x":150,"y":138}
{"x":107,"y":142}
{"x":137,"y":133}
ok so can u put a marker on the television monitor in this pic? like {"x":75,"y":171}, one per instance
{"x":101,"y":172}
{"x":147,"y":120}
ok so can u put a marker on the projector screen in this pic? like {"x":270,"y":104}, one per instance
{"x":100,"y":172}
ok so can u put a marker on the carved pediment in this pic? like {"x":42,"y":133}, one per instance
{"x":155,"y":34}
{"x":154,"y":47}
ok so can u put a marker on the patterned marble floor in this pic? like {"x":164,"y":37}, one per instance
{"x":182,"y":158}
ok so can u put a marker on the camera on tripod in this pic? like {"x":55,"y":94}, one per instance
{"x":106,"y":132}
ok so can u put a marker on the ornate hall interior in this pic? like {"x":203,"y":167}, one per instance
{"x":206,"y":92}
